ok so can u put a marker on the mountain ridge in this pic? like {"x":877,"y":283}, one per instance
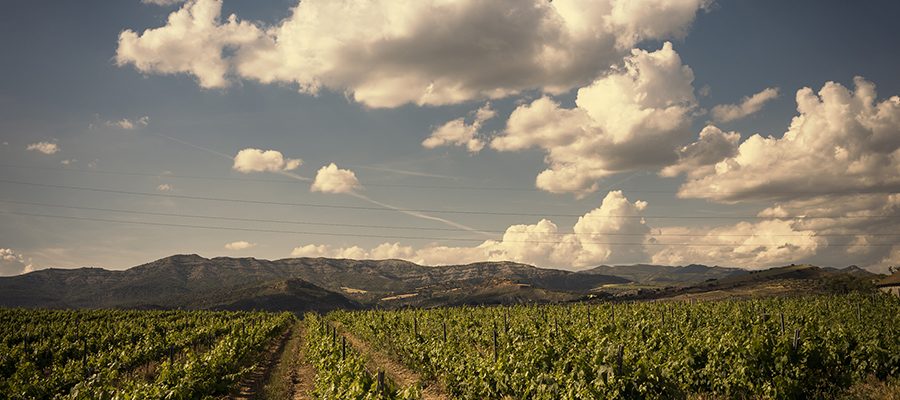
{"x":322,"y":284}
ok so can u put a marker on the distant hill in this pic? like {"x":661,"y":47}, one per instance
{"x":779,"y":281}
{"x":665,"y":275}
{"x":298,"y":284}
{"x":324,"y":284}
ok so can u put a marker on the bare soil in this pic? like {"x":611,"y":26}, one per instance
{"x":250,"y":385}
{"x":395,"y":371}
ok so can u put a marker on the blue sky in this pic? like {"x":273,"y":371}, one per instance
{"x":69,"y":81}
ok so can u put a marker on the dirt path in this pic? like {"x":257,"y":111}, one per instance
{"x":394,"y":370}
{"x":303,"y":374}
{"x":250,"y":386}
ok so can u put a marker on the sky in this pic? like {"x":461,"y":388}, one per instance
{"x":564,"y":134}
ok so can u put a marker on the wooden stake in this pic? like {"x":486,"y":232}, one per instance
{"x":796,"y":338}
{"x":495,"y":341}
{"x":782,"y":322}
{"x":380,"y":385}
{"x":619,"y":359}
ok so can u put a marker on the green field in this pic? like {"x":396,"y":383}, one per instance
{"x":779,"y":348}
{"x":129,"y":354}
{"x":727,"y":349}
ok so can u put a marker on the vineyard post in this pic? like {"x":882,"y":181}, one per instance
{"x":782,"y":322}
{"x":380,"y":385}
{"x":416,"y":326}
{"x":613,"y":313}
{"x":796,"y":338}
{"x":495,"y":341}
{"x":858,"y":313}
{"x":506,"y":321}
{"x":343,"y":347}
{"x":444,"y":328}
{"x":619,"y":359}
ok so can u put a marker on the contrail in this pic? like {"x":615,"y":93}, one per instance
{"x":419,"y":214}
{"x":352,"y":193}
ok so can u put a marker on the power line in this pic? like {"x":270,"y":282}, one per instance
{"x":466,"y":212}
{"x":391,"y":185}
{"x":395,"y":227}
{"x":150,"y":223}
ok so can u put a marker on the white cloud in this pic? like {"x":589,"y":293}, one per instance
{"x":749,"y":105}
{"x":312,"y":250}
{"x":760,"y":244}
{"x":699,"y":158}
{"x":239,"y":245}
{"x":128,"y":124}
{"x":68,"y":161}
{"x":458,"y":133}
{"x":385,"y":53}
{"x":256,"y":160}
{"x":194,"y":40}
{"x":842,"y":141}
{"x":165,"y":187}
{"x":12,"y":263}
{"x":631,"y":119}
{"x":331,"y":179}
{"x":594,"y":240}
{"x":44,"y":147}
{"x":838,"y":165}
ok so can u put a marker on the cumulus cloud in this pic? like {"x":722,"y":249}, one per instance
{"x":256,"y":160}
{"x":386,"y":53}
{"x":312,"y":250}
{"x":633,"y":118}
{"x":165,"y":187}
{"x":331,"y":179}
{"x":194,"y":40}
{"x":759,"y":244}
{"x":239,"y":245}
{"x":749,"y":105}
{"x":835,"y":172}
{"x":699,"y":158}
{"x":129,"y":124}
{"x":842,"y":141}
{"x":12,"y":263}
{"x":458,"y":133}
{"x":43,"y":147}
{"x":594,"y":240}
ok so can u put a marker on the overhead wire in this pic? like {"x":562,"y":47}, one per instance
{"x":396,"y":227}
{"x":437,"y":211}
{"x":245,"y":229}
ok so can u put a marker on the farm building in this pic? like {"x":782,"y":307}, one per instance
{"x":891,"y":284}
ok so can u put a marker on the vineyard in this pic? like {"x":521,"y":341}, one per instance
{"x":774,"y":348}
{"x":129,"y":354}
{"x":780,"y":348}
